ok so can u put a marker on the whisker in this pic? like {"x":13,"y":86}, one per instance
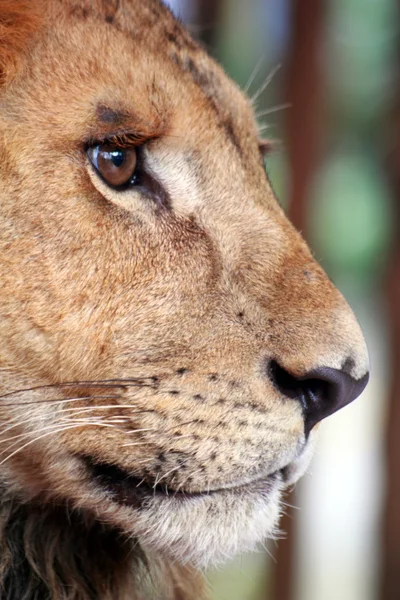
{"x":287,"y":505}
{"x":172,"y":470}
{"x":65,"y":424}
{"x":63,"y":401}
{"x":140,"y":482}
{"x":146,"y":443}
{"x":29,"y":433}
{"x":184,"y":482}
{"x":56,"y":430}
{"x":142,"y":443}
{"x":131,"y":408}
{"x":130,"y":382}
{"x":162,"y":431}
{"x":114,"y":419}
{"x":155,"y":484}
{"x":267,"y":551}
{"x":70,"y":410}
{"x":274,"y":109}
{"x":265,"y":84}
{"x":254,"y":73}
{"x":155,"y":430}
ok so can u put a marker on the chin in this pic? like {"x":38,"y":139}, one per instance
{"x":202,"y":529}
{"x":209,"y":529}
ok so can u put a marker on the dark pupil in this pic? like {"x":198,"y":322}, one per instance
{"x":117,"y":157}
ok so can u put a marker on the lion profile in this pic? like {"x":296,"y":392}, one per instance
{"x":169,"y":344}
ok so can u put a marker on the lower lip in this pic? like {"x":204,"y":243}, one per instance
{"x":129,"y":490}
{"x":133,"y":491}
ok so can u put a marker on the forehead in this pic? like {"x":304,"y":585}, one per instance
{"x":134,"y":57}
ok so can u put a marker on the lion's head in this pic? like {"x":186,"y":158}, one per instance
{"x":168,"y":343}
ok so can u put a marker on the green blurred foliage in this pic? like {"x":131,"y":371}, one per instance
{"x":242,"y":579}
{"x":360,"y":59}
{"x":350,"y":214}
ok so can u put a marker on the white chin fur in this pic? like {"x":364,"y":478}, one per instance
{"x":209,"y":530}
{"x":297,"y":468}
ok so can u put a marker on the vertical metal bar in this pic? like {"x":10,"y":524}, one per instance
{"x":304,"y":91}
{"x":208,"y":18}
{"x":390,"y":576}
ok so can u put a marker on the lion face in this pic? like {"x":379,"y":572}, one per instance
{"x":173,"y":338}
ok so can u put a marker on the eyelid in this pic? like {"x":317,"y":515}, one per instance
{"x":119,"y":139}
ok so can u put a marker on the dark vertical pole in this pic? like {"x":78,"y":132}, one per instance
{"x":209,"y":14}
{"x":304,"y":91}
{"x":390,"y":583}
{"x":303,"y":139}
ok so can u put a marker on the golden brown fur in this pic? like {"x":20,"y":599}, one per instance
{"x":137,"y":327}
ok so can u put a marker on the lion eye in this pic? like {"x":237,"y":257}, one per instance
{"x":117,"y":166}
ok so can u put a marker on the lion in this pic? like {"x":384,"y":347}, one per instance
{"x":168,"y":343}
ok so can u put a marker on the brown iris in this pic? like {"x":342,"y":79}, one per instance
{"x":116,"y":165}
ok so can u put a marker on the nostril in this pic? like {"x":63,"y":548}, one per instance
{"x":321,"y":392}
{"x":286,"y":383}
{"x":311,"y":392}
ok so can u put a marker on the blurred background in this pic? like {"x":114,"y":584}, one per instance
{"x":324,"y":78}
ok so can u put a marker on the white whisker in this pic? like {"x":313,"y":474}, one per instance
{"x":170,"y":471}
{"x":63,"y":401}
{"x":78,"y":410}
{"x":135,"y":444}
{"x":265,"y":84}
{"x":32,"y":419}
{"x":141,"y":430}
{"x":81,"y":422}
{"x":274,"y":109}
{"x":130,"y":408}
{"x":56,"y":430}
{"x":254,"y":73}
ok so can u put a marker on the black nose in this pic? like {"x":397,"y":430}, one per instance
{"x":321,"y":392}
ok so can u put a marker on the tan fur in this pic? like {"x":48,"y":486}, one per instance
{"x":179,"y":297}
{"x":18,"y":22}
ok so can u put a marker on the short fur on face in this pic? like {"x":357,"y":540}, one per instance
{"x":138,"y":418}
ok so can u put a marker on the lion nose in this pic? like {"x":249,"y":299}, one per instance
{"x":321,"y":391}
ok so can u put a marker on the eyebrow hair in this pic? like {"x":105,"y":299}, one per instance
{"x":109,"y":116}
{"x":124,"y":126}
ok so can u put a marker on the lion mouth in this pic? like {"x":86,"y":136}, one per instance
{"x":133,"y":491}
